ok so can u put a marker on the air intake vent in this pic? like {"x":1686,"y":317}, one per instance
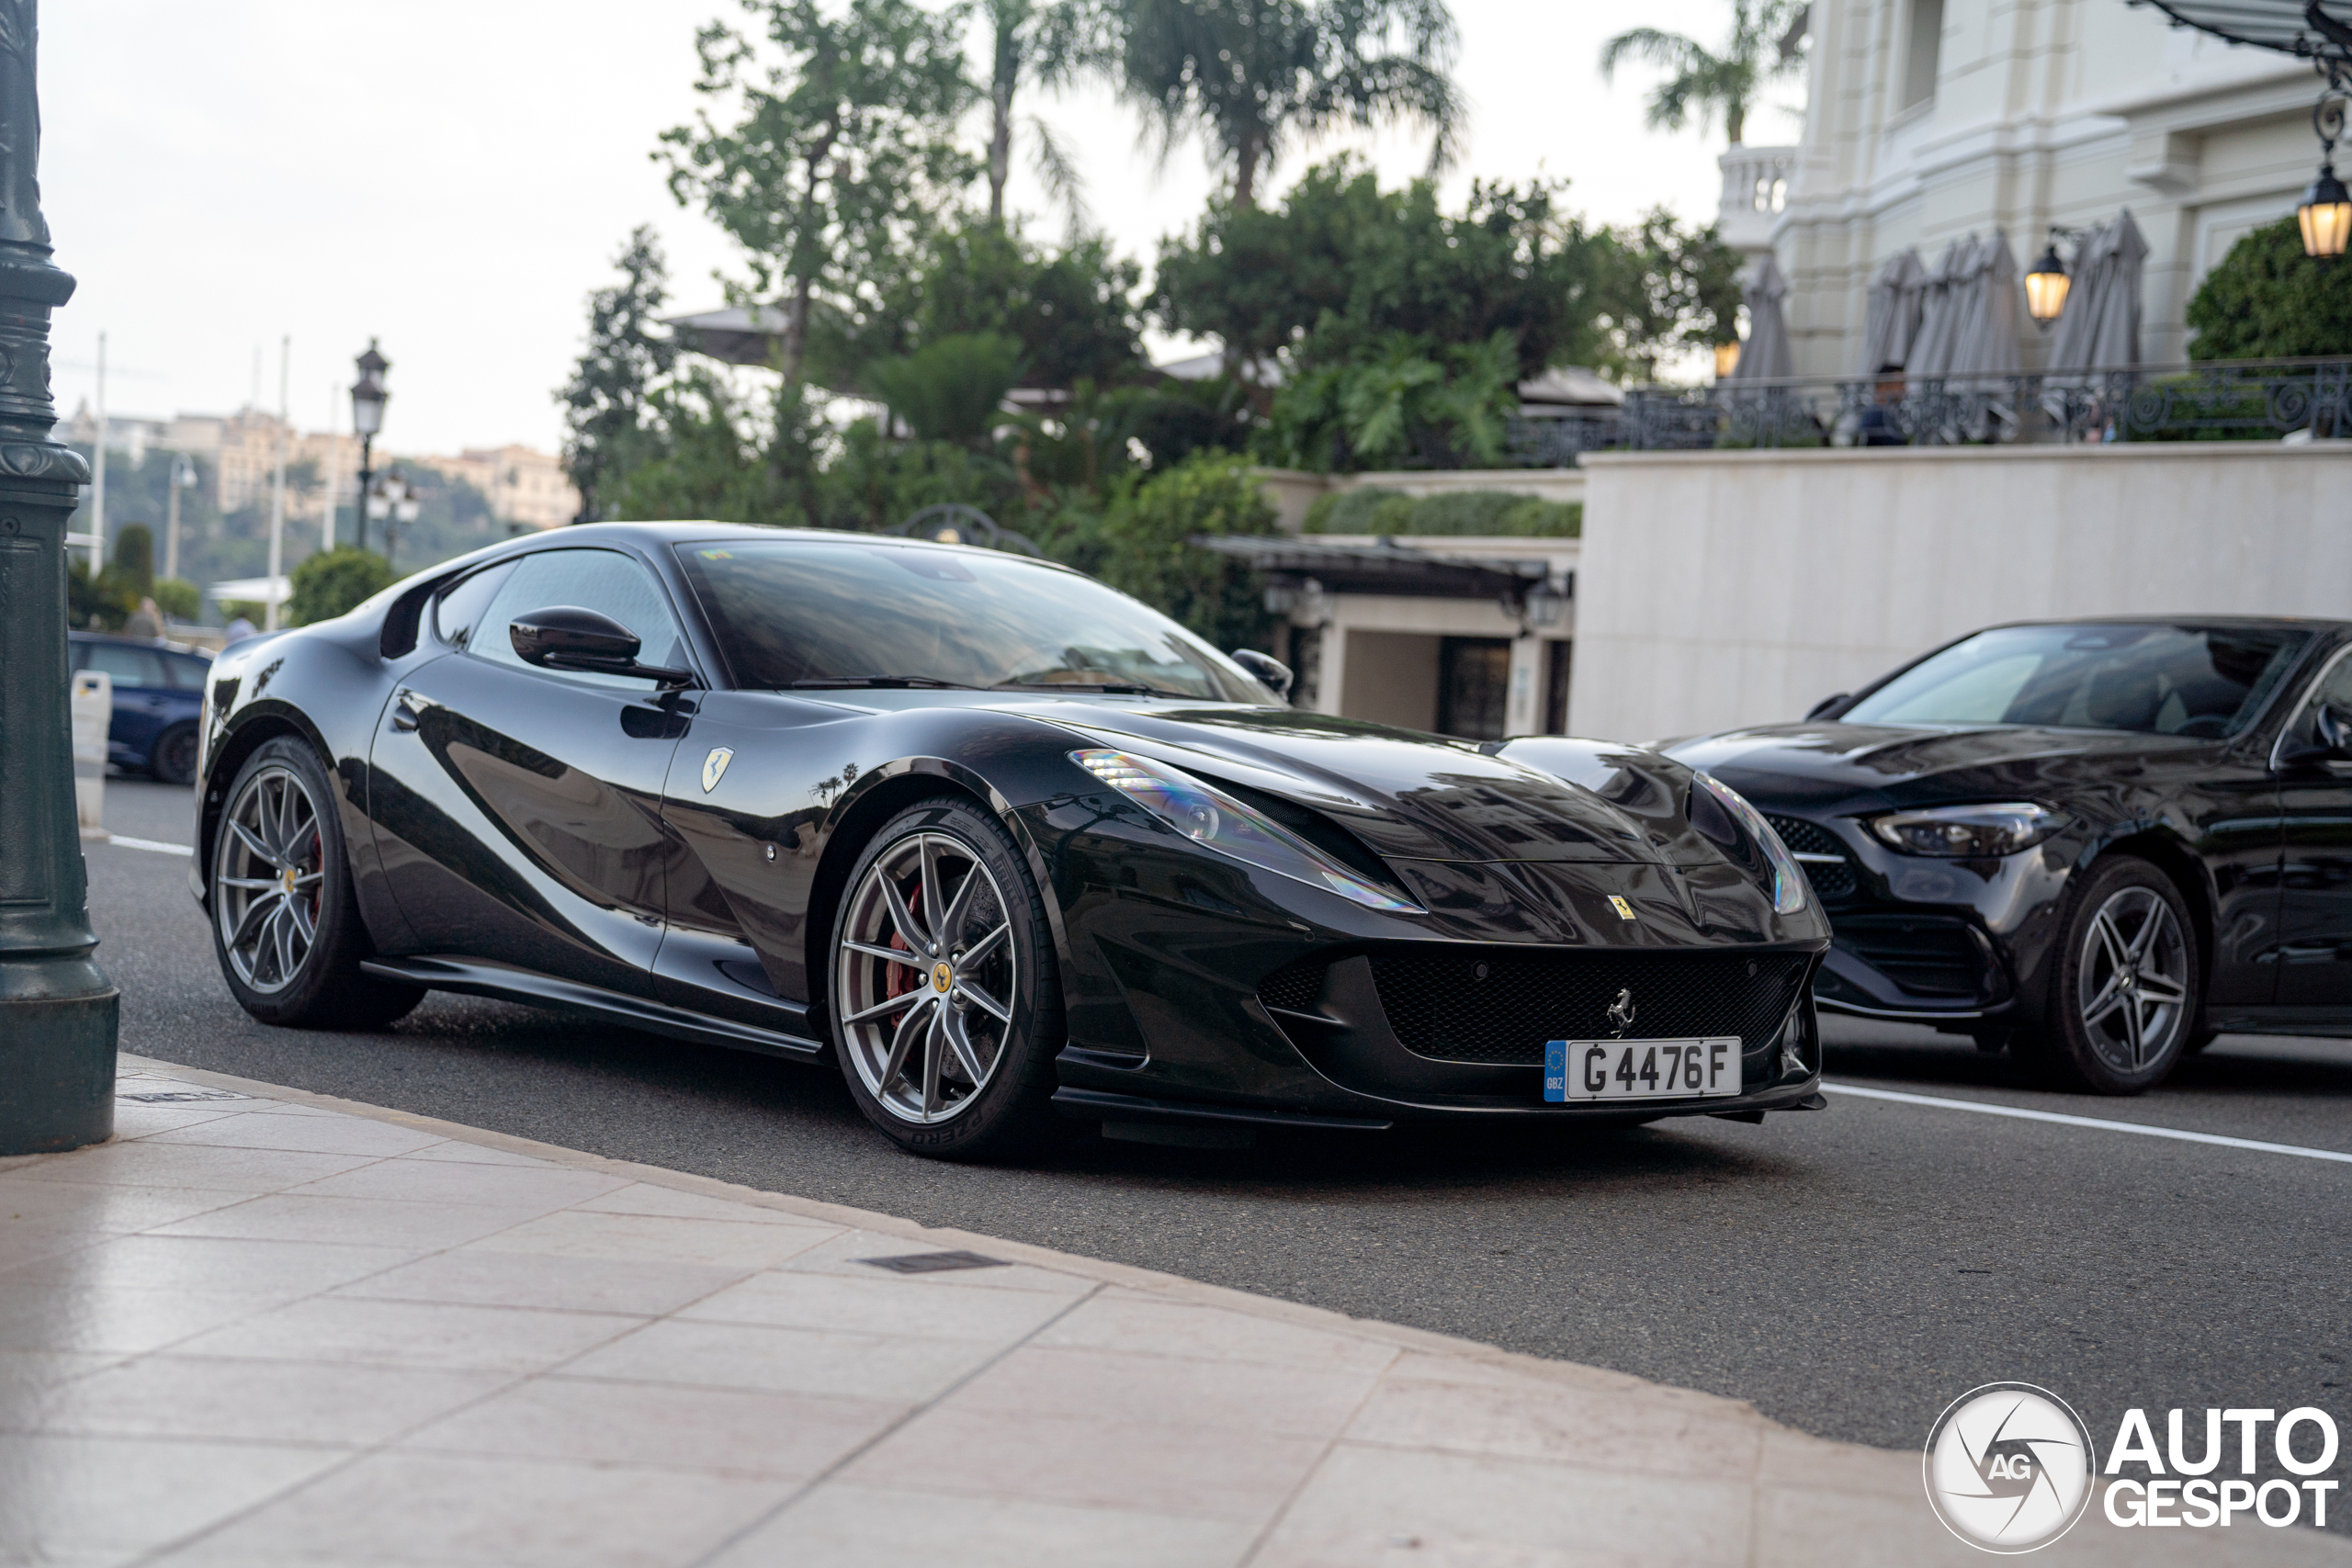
{"x":1295,"y":988}
{"x":1500,"y":1008}
{"x":1815,"y":848}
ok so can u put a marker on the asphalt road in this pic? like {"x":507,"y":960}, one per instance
{"x":1851,"y":1272}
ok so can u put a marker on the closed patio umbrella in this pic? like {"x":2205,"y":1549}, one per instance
{"x":2101,"y":325}
{"x":1767,"y":355}
{"x":1896,"y":294}
{"x":1940,"y":306}
{"x":1985,"y":337}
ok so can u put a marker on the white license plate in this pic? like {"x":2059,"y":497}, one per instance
{"x":1640,"y":1070}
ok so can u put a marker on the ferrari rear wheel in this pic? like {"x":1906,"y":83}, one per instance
{"x":946,"y":1010}
{"x":285,"y":922}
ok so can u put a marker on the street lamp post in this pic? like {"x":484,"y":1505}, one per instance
{"x":58,"y":1010}
{"x":367,"y":399}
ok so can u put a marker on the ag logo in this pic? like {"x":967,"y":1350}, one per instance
{"x":714,"y":767}
{"x":2009,"y":1467}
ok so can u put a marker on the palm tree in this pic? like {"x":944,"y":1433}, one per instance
{"x":1254,"y":75}
{"x":1050,"y":43}
{"x":1765,"y":43}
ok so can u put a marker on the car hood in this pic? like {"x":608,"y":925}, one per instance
{"x":1406,"y":795}
{"x":1792,"y":762}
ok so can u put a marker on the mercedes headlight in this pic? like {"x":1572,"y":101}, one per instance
{"x":1214,"y":820}
{"x":1964,"y":832}
{"x":1788,"y":877}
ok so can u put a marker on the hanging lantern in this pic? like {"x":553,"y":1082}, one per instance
{"x":2046,"y":285}
{"x":2325,"y":214}
{"x":1727,"y":359}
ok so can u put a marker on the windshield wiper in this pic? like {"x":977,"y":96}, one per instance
{"x":851,"y":682}
{"x":1113,"y":688}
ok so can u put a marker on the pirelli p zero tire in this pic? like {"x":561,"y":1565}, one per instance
{"x":944,"y":1003}
{"x":286,"y":923}
{"x":2128,"y":986}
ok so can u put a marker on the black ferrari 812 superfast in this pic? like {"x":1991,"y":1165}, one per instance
{"x":1004,"y":845}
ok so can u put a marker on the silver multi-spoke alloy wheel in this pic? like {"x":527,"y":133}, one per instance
{"x":268,"y":878}
{"x":927,"y":979}
{"x":2132,"y":983}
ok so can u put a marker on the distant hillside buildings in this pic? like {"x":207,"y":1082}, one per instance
{"x":522,"y":486}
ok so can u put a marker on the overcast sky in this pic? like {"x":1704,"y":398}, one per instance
{"x":455,"y":179}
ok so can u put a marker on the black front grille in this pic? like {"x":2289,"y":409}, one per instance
{"x":1806,"y":838}
{"x":1926,"y":956}
{"x":1295,"y":988}
{"x":1501,"y":1008}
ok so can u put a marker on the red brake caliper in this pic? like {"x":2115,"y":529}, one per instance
{"x":900,"y":979}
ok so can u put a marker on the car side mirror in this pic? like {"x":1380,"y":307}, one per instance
{"x":1266,"y":668}
{"x":565,"y":637}
{"x":1827,"y":705}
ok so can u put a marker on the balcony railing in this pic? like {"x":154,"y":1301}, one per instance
{"x":2246,"y":399}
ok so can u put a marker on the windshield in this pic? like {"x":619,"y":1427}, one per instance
{"x":808,"y":612}
{"x":2155,"y":680}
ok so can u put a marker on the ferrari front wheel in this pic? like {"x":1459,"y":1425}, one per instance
{"x":285,"y":922}
{"x":945,"y":1007}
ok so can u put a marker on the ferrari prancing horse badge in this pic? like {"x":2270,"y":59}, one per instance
{"x":714,"y":767}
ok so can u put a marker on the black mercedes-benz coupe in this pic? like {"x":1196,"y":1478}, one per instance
{"x":1000,"y":841}
{"x":2098,"y":843}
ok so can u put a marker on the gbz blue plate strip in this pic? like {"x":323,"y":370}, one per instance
{"x":1556,"y":1071}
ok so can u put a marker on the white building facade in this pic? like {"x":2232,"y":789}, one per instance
{"x":1929,"y":120}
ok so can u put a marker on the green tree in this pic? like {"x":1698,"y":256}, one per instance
{"x":1071,"y":310}
{"x":712,"y":460}
{"x":1143,"y":547}
{"x":1342,"y":268}
{"x":1670,"y":288}
{"x":1253,"y":76}
{"x":949,"y":390}
{"x":1765,"y":43}
{"x":2268,"y":301}
{"x":179,"y":599}
{"x":134,"y":560}
{"x":839,"y":152}
{"x":607,"y":401}
{"x":1411,"y":404}
{"x":332,"y":581}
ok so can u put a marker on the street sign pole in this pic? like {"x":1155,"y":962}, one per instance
{"x":58,"y":1010}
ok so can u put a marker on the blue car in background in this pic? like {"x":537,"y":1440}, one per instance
{"x":158,"y":695}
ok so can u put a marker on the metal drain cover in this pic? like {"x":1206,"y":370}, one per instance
{"x":172,"y":1096}
{"x":934,"y":1262}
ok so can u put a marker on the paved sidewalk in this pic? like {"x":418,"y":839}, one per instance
{"x":267,"y":1328}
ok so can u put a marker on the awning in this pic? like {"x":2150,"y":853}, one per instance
{"x":740,"y":335}
{"x":1382,"y":568}
{"x":2303,"y":28}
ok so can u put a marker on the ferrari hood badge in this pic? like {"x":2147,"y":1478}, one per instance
{"x":1625,"y":910}
{"x":714,"y":767}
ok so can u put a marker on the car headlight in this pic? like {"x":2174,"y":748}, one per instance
{"x":1214,"y":820}
{"x":1959,"y":833}
{"x":1788,"y":877}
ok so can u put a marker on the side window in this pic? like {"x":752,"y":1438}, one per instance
{"x":603,"y":581}
{"x":458,"y":609}
{"x":128,"y":666}
{"x":189,"y":674}
{"x":2334,"y":690}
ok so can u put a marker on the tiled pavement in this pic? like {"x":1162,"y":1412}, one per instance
{"x":282,"y":1330}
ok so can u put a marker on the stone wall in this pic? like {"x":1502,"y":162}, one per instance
{"x":1717,"y":589}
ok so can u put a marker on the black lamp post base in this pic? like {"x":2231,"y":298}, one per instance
{"x":57,"y":1054}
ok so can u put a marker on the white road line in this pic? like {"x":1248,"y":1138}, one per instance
{"x":1982,"y":1108}
{"x":161,"y":849}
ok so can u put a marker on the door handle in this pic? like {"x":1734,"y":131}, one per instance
{"x":404,"y":714}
